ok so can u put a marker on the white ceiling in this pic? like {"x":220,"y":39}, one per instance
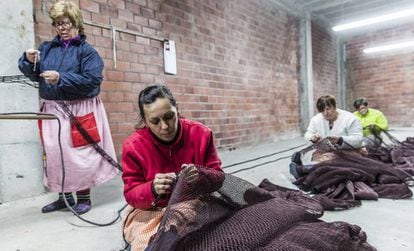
{"x":334,"y":12}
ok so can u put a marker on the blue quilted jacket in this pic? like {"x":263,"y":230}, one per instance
{"x":79,"y":65}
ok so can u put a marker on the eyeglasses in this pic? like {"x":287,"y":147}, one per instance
{"x":62,"y":24}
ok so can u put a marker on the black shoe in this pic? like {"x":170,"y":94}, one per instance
{"x":57,"y":205}
{"x":293,"y":170}
{"x":82,"y":207}
{"x":296,"y":158}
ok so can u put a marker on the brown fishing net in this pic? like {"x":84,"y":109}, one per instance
{"x":349,"y":176}
{"x":241,"y":216}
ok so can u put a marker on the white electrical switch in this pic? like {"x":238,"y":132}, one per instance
{"x":170,"y":61}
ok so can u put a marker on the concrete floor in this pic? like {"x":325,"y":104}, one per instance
{"x":389,"y":224}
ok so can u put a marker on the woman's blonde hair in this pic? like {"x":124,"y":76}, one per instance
{"x":67,"y":9}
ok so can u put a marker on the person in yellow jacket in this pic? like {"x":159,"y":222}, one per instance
{"x":373,"y":121}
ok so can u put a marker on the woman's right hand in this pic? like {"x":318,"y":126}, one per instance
{"x":163,"y":183}
{"x":33,"y":55}
{"x":315,"y":138}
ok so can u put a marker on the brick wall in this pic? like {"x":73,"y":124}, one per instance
{"x":324,"y":62}
{"x":236,"y":60}
{"x":385,"y":79}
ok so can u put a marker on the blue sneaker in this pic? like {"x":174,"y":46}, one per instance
{"x":292,"y":170}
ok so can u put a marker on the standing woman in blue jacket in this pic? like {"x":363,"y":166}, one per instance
{"x":69,"y":72}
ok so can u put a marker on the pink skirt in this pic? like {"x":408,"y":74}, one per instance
{"x":84,"y":166}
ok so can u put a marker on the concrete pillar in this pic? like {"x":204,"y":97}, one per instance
{"x":20,"y":150}
{"x":340,"y":66}
{"x":306,"y":71}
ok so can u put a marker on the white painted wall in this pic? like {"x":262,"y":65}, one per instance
{"x":20,"y":150}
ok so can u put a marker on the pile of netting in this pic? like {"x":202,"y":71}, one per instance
{"x":349,"y":177}
{"x":241,"y":216}
{"x":400,"y":154}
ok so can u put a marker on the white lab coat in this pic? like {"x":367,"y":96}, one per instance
{"x":347,"y":126}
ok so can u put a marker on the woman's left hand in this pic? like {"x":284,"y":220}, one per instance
{"x":51,"y":77}
{"x":190,"y":173}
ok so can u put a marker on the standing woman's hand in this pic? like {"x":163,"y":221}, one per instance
{"x":33,"y":55}
{"x":163,"y":183}
{"x":51,"y":77}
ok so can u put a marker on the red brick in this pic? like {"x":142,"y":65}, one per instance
{"x":115,"y":96}
{"x":117,"y":23}
{"x":147,"y":78}
{"x":120,"y":4}
{"x":145,"y":12}
{"x":153,"y":69}
{"x":99,"y":18}
{"x":125,"y":107}
{"x":109,"y":11}
{"x":104,"y":42}
{"x":132,"y":77}
{"x":142,"y":40}
{"x":127,"y":37}
{"x":137,"y":48}
{"x":115,"y":75}
{"x":89,"y":6}
{"x":134,"y":27}
{"x":122,"y":45}
{"x":117,"y":117}
{"x":141,"y":2}
{"x":137,"y":67}
{"x":141,"y":20}
{"x":126,"y":15}
{"x":123,"y":66}
{"x":148,"y":31}
{"x":132,"y":7}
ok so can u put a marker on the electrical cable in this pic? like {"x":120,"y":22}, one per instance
{"x":21,"y":79}
{"x":270,"y":161}
{"x":18,"y":79}
{"x":261,"y":164}
{"x":261,"y":157}
{"x":64,"y":171}
{"x":63,"y":183}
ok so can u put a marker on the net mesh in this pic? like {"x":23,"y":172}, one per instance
{"x":348,"y":177}
{"x":241,"y":216}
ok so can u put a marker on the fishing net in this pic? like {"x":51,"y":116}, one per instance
{"x":349,"y":176}
{"x":242,"y":216}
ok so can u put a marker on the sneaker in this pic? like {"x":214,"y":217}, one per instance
{"x":57,"y":205}
{"x":293,"y":170}
{"x":82,"y":207}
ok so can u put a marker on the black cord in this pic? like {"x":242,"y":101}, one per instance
{"x":374,"y":131}
{"x":261,"y":157}
{"x":18,"y":79}
{"x":261,"y":164}
{"x":270,"y":161}
{"x":64,"y":172}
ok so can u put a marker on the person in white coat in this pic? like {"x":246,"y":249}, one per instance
{"x":342,"y":128}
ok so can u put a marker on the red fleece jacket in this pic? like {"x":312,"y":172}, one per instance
{"x":143,"y":157}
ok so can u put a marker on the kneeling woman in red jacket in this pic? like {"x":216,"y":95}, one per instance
{"x":153,"y":156}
